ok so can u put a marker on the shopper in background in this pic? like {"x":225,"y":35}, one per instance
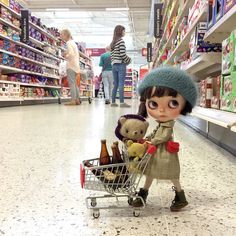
{"x":119,"y":60}
{"x":165,"y":93}
{"x":107,"y":75}
{"x":96,"y":85}
{"x":73,"y":67}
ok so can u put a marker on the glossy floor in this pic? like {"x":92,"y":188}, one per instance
{"x":41,"y":148}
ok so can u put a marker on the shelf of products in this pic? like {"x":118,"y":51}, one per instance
{"x":222,"y":28}
{"x":221,"y":118}
{"x":200,"y":66}
{"x":27,"y":73}
{"x":202,"y":41}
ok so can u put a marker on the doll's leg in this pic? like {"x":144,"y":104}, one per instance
{"x":179,"y":200}
{"x":143,"y":193}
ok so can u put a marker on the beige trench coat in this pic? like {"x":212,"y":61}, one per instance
{"x":163,"y":164}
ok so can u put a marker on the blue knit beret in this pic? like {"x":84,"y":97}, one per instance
{"x":172,"y":78}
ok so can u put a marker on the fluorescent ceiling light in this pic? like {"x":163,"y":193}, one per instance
{"x":117,"y":9}
{"x":57,"y":9}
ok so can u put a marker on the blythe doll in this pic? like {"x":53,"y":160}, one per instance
{"x":165,"y":93}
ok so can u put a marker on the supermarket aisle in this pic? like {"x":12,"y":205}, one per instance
{"x":40,"y":195}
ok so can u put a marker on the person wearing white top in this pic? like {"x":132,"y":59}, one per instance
{"x":73,"y":67}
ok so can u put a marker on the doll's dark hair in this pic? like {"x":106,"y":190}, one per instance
{"x":159,"y":92}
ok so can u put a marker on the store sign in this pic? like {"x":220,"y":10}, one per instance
{"x":95,"y":52}
{"x":149,"y":52}
{"x":144,"y":52}
{"x":24,"y":26}
{"x":157,"y":20}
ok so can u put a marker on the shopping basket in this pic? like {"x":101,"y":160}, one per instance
{"x":119,"y":180}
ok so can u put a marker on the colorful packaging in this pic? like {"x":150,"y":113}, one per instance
{"x":228,"y":92}
{"x":228,"y":4}
{"x":218,"y":9}
{"x":206,"y":92}
{"x":215,"y":100}
{"x":228,"y":54}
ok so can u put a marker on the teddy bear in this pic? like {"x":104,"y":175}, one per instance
{"x":131,"y":127}
{"x":135,"y":152}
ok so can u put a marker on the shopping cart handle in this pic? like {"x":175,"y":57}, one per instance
{"x":151,"y":149}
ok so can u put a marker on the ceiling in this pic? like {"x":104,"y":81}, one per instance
{"x":90,"y":22}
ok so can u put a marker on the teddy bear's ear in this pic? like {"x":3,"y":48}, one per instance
{"x":129,"y":143}
{"x":122,"y":120}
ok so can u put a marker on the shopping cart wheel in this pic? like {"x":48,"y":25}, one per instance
{"x":93,"y":202}
{"x":96,"y":214}
{"x":130,"y":201}
{"x":136,"y":213}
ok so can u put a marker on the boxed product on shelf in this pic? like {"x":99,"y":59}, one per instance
{"x":210,"y":14}
{"x":197,"y":44}
{"x":5,"y":2}
{"x":218,"y":9}
{"x":9,"y":90}
{"x":229,"y":54}
{"x":228,"y":4}
{"x":228,"y":92}
{"x":206,"y":92}
{"x":215,"y":100}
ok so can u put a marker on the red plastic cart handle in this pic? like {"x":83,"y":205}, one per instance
{"x":82,"y":176}
{"x":151,"y":149}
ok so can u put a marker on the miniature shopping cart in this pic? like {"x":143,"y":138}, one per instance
{"x":117,"y":180}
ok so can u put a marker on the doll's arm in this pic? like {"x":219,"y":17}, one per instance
{"x":162,"y":135}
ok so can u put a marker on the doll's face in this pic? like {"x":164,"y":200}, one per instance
{"x":165,"y":108}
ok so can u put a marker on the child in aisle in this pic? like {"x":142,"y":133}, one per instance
{"x":166,"y":93}
{"x":96,"y":85}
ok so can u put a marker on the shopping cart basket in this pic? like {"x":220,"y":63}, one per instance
{"x":117,"y":180}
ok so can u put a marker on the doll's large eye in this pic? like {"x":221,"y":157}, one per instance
{"x":141,"y":132}
{"x":152,"y":105}
{"x":127,"y":131}
{"x":173,"y":104}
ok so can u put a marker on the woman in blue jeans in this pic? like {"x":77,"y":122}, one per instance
{"x":119,"y":60}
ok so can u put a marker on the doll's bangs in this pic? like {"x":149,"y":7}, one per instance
{"x":161,"y":92}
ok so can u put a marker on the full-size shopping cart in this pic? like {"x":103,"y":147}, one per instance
{"x":117,"y":180}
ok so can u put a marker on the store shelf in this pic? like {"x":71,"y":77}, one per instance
{"x":28,"y":59}
{"x":184,"y":44}
{"x":222,"y":29}
{"x":84,"y":56}
{"x":11,"y":99}
{"x":184,"y":12}
{"x":44,"y":31}
{"x":218,"y":117}
{"x":165,"y":6}
{"x":9,"y":24}
{"x":206,"y":64}
{"x":30,"y":85}
{"x":16,"y":14}
{"x":29,"y":47}
{"x":9,"y":69}
{"x":42,"y":98}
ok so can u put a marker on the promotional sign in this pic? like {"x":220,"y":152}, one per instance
{"x":24,"y":26}
{"x":144,"y":52}
{"x":157,"y":20}
{"x":95,"y":52}
{"x":149,"y":52}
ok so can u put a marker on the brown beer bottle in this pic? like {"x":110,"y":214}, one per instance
{"x":116,"y":156}
{"x":104,"y":158}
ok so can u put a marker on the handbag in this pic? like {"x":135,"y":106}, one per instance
{"x":103,"y":68}
{"x":172,"y":147}
{"x":78,"y":78}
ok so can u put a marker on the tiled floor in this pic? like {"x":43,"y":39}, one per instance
{"x":41,"y":148}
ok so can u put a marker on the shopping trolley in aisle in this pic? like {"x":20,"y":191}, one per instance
{"x":117,"y":180}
